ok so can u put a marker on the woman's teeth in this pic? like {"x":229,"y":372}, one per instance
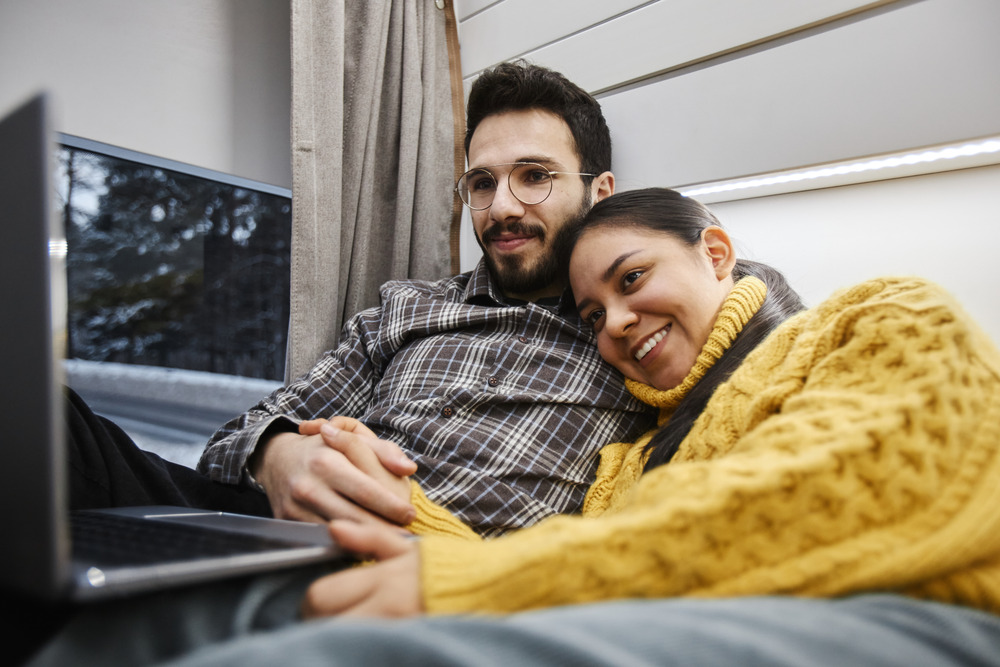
{"x":651,"y":343}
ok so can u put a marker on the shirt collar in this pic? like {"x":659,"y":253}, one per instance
{"x":482,"y":288}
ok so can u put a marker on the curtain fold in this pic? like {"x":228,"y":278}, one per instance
{"x":373,"y":143}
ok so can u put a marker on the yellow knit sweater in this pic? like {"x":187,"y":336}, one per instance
{"x":856,"y":449}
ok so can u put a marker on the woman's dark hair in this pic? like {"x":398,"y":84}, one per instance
{"x":669,"y":212}
{"x":520,"y":86}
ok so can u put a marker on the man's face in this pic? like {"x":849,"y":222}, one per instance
{"x":520,"y":242}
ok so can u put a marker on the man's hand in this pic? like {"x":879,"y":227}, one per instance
{"x":334,"y":469}
{"x":387,"y":589}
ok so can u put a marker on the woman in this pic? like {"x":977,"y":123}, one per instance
{"x":855,"y":449}
{"x":805,"y":462}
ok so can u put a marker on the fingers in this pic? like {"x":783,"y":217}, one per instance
{"x":337,"y":593}
{"x":334,"y":489}
{"x":305,"y":480}
{"x":362,"y":480}
{"x":350,"y":425}
{"x":390,"y":588}
{"x":393,"y":458}
{"x":311,"y":426}
{"x":309,"y":499}
{"x":356,"y":446}
{"x":369,"y":540}
{"x":389,"y":454}
{"x":333,"y":474}
{"x":289,"y":511}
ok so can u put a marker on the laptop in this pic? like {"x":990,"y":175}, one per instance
{"x":38,"y":558}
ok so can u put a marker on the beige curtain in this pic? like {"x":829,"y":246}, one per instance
{"x":373,"y":154}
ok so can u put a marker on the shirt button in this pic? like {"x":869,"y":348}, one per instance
{"x":523,"y":339}
{"x":447,"y":411}
{"x":493,"y":381}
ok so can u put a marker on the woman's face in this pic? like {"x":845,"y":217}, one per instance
{"x":651,"y":299}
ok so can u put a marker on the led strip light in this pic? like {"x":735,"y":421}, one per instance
{"x":974,"y":153}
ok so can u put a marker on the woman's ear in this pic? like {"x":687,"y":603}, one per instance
{"x":603,"y":186}
{"x":720,"y":250}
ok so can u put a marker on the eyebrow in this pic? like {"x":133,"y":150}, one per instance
{"x":615,"y":264}
{"x":537,"y":159}
{"x":608,"y":274}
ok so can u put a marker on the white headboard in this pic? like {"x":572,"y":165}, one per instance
{"x":707,"y":90}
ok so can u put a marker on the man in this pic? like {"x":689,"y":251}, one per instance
{"x":488,"y":380}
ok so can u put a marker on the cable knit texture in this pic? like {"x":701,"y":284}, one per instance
{"x":856,"y":449}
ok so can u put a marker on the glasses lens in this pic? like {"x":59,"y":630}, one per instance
{"x":530,"y":183}
{"x":476,"y":188}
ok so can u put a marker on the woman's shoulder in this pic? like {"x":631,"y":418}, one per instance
{"x":913,"y":294}
{"x":904,"y":289}
{"x":899,"y":310}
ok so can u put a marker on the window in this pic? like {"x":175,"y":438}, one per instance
{"x":171,"y":265}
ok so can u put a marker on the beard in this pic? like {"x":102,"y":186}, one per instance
{"x":523,"y":275}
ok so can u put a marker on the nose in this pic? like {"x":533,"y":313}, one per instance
{"x":618,"y":320}
{"x":505,"y":204}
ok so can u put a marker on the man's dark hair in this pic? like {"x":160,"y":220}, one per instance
{"x":521,"y":86}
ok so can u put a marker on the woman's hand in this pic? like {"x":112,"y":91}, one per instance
{"x":389,"y":588}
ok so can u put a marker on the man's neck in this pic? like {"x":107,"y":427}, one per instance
{"x":553,"y":291}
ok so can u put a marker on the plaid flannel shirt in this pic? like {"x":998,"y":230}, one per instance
{"x":503,"y":407}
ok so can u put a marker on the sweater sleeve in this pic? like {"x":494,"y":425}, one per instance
{"x":620,"y":468}
{"x":856,"y":449}
{"x":432,"y":519}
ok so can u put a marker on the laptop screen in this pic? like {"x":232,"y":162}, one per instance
{"x":32,"y":272}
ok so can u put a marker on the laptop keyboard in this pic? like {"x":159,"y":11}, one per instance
{"x":123,"y":541}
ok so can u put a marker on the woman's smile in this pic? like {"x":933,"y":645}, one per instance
{"x":652,"y":342}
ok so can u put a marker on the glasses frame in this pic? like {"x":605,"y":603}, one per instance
{"x":513,"y":166}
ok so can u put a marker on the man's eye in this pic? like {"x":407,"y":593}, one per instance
{"x":537,"y":176}
{"x":481,"y":183}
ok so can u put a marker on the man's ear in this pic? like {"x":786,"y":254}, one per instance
{"x":720,"y":250}
{"x":603,"y":186}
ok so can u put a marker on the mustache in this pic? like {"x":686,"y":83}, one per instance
{"x":513,"y":228}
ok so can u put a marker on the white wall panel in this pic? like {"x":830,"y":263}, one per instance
{"x":465,"y":8}
{"x":515,"y":27}
{"x":944,"y":227}
{"x":907,"y":74}
{"x":918,"y":75}
{"x":670,"y":33}
{"x":201,"y":81}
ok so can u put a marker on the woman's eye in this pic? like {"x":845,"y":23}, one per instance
{"x":630,"y":277}
{"x":593,"y":317}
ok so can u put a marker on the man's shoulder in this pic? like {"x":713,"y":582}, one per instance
{"x":450,"y":289}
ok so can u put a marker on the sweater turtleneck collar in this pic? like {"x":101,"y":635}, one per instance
{"x":742,"y":303}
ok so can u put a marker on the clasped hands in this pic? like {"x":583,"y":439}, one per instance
{"x":338,"y":471}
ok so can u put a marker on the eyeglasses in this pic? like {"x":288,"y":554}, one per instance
{"x":530,"y":183}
